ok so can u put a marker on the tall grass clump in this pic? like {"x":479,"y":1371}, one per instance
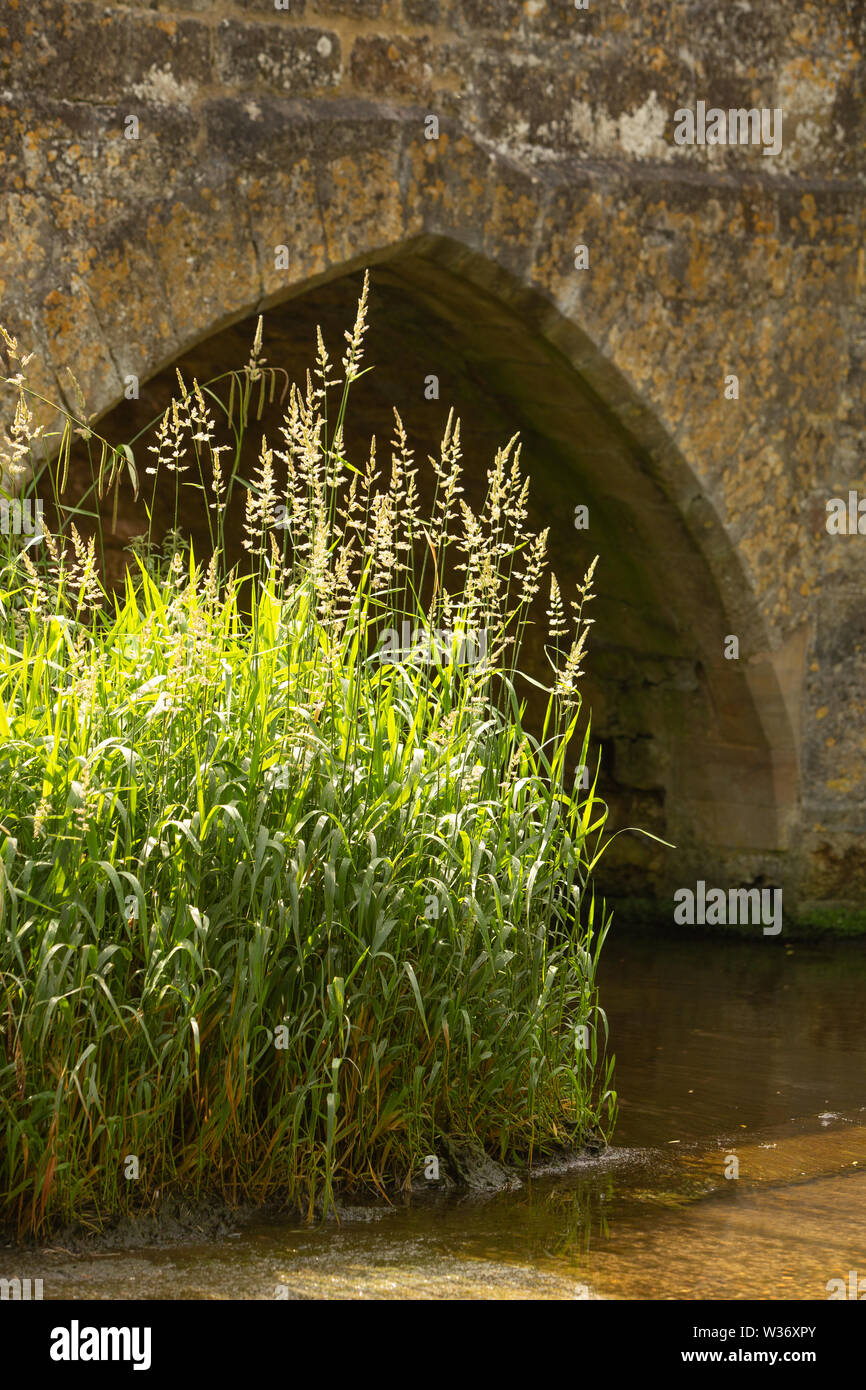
{"x":288,"y":893}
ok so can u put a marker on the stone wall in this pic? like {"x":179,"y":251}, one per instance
{"x":307,"y":128}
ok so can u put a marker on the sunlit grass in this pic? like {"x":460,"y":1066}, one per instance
{"x":281,"y":907}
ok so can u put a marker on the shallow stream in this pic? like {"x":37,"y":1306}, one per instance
{"x":724,"y":1051}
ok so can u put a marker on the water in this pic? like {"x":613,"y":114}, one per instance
{"x":754,"y":1052}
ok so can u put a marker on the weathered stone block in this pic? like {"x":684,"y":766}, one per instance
{"x":89,"y":52}
{"x":426,"y":12}
{"x":273,"y":58}
{"x":490,"y":14}
{"x":400,"y":67}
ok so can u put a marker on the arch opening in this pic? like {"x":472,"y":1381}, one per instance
{"x":696,"y":748}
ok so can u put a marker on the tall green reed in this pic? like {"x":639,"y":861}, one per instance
{"x":285,"y":898}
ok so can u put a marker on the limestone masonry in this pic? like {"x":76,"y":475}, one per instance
{"x":125,"y":243}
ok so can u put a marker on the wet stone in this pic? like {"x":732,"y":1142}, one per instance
{"x":475,"y":1169}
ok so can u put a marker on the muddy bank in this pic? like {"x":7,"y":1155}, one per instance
{"x":174,"y":1221}
{"x":463,"y":1170}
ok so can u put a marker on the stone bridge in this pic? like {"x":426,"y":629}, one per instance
{"x":543,"y":243}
